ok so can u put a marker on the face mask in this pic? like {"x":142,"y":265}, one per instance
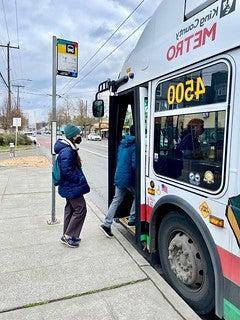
{"x":78,"y":140}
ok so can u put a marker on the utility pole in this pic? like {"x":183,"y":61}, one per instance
{"x":18,"y":95}
{"x":8,"y":80}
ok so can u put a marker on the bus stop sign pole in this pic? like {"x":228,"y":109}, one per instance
{"x":54,"y":126}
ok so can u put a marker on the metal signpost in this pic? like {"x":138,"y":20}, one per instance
{"x":17,"y":122}
{"x":64,"y":63}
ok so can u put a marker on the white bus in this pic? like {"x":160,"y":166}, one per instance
{"x":181,"y":86}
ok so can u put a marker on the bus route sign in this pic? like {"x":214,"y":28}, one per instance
{"x":67,"y":58}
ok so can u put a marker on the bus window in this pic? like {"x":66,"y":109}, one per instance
{"x":200,"y":87}
{"x":189,"y":148}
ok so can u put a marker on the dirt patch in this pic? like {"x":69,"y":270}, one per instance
{"x":30,"y":161}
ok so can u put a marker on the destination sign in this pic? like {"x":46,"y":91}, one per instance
{"x":186,"y":91}
{"x":201,"y":86}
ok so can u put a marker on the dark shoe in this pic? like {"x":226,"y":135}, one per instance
{"x":77,"y":240}
{"x":69,"y":242}
{"x":131,"y":223}
{"x":106,"y":231}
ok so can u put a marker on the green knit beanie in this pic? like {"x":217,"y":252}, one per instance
{"x":71,"y":131}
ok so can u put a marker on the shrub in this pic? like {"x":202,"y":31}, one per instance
{"x":6,"y":138}
{"x":24,"y":140}
{"x":1,"y":140}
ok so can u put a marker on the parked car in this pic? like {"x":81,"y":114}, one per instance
{"x":94,"y":137}
{"x":32,"y":136}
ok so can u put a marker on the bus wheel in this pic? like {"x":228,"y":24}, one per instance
{"x":185,"y":261}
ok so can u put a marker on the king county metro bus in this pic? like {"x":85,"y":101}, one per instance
{"x":180,"y":87}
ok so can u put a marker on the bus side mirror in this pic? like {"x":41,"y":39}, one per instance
{"x":98,"y":108}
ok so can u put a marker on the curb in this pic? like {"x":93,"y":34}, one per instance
{"x":181,"y":307}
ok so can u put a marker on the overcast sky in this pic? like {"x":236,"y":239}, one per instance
{"x":88,"y":22}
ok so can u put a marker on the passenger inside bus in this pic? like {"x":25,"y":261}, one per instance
{"x":186,"y":147}
{"x":189,"y":145}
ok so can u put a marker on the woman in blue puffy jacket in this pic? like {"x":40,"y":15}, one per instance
{"x":73,"y":185}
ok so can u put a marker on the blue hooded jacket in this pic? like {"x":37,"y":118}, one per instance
{"x":73,"y":183}
{"x":126,"y":163}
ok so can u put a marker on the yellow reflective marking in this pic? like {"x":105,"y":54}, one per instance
{"x":233,"y":222}
{"x":205,"y":210}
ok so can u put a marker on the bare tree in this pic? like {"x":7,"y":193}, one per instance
{"x":63,"y":114}
{"x":6,"y":117}
{"x":82,"y":119}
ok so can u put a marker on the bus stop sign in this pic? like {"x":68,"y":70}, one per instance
{"x":67,"y":58}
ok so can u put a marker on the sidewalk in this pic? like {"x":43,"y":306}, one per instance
{"x":42,"y":279}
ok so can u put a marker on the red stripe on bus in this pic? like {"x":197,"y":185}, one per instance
{"x":230,"y":265}
{"x":148,"y":213}
{"x":145,"y":212}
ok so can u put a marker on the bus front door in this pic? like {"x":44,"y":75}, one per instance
{"x":121,"y":118}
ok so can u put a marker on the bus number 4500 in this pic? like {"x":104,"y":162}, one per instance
{"x":191,"y":89}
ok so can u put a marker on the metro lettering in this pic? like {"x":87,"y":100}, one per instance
{"x":187,"y":40}
{"x":207,"y":33}
{"x":171,"y":53}
{"x":192,"y":42}
{"x":198,"y":39}
{"x":179,"y":51}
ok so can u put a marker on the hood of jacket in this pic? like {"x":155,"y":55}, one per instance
{"x":63,"y":143}
{"x":127,"y":141}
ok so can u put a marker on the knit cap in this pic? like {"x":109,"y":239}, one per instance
{"x":71,"y":131}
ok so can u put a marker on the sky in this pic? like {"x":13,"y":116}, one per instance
{"x":31,"y":25}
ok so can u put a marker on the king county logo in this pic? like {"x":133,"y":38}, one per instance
{"x":227,"y":7}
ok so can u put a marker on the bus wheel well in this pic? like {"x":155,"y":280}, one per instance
{"x":165,"y":206}
{"x":159,"y":214}
{"x":185,"y":261}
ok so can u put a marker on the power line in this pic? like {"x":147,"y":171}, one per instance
{"x":103,"y":45}
{"x":3,"y":54}
{"x":5,"y":18}
{"x":13,"y":70}
{"x":39,"y":94}
{"x":4,"y":81}
{"x":17,"y":30}
{"x":109,"y":38}
{"x":16,"y":15}
{"x":8,"y":47}
{"x":107,"y":56}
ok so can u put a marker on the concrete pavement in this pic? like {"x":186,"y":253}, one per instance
{"x":42,"y":279}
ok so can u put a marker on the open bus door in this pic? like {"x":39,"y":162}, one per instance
{"x":121,"y":117}
{"x":126,"y":109}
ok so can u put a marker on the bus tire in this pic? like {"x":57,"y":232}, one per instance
{"x":186,"y":263}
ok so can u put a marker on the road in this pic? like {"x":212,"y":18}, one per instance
{"x":94,"y":156}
